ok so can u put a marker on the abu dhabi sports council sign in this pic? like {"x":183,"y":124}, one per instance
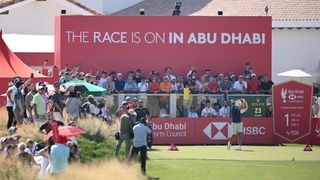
{"x":110,"y":42}
{"x":292,"y":110}
{"x":209,"y":130}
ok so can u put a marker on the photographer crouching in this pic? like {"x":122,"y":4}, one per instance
{"x":140,"y":132}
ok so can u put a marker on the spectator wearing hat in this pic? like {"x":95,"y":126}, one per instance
{"x":253,"y":84}
{"x":10,"y":98}
{"x":126,"y":124}
{"x":12,"y":130}
{"x":119,"y":83}
{"x":208,"y":111}
{"x":240,"y":86}
{"x":57,"y":103}
{"x":19,"y":104}
{"x":102,"y":112}
{"x":134,"y":103}
{"x":28,"y":102}
{"x":269,"y":112}
{"x":58,"y":156}
{"x":140,"y":132}
{"x":87,"y":78}
{"x":122,"y":109}
{"x":141,"y":111}
{"x":24,"y":156}
{"x":39,"y":104}
{"x":89,"y":107}
{"x":65,"y":78}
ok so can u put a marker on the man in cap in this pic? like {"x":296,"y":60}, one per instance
{"x":57,"y":103}
{"x":253,"y":84}
{"x":10,"y":98}
{"x":140,"y":132}
{"x":122,"y":109}
{"x":59,"y":154}
{"x":39,"y":104}
{"x":12,"y":130}
{"x":126,"y":125}
{"x":141,"y":111}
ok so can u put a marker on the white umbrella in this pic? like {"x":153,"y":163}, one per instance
{"x":300,"y":72}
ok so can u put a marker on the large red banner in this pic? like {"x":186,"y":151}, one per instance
{"x":292,"y":110}
{"x":153,"y":43}
{"x":210,"y":130}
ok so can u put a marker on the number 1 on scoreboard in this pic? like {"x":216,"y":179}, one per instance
{"x":287,"y":119}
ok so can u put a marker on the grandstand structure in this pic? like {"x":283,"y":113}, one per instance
{"x":295,"y":23}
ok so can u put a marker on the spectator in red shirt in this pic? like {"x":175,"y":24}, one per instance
{"x":213,"y":86}
{"x":154,"y":86}
{"x":253,"y":84}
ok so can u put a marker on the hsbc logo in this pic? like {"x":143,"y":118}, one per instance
{"x":223,"y":131}
{"x":218,"y":130}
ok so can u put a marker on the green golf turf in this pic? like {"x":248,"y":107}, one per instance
{"x":215,"y":162}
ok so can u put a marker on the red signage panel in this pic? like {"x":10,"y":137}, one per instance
{"x":292,"y":110}
{"x":122,"y":43}
{"x":210,"y":130}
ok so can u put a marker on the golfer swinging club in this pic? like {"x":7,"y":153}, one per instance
{"x":236,"y":124}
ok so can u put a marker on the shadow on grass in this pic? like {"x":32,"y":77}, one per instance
{"x":152,"y":178}
{"x":154,"y":149}
{"x":246,"y":150}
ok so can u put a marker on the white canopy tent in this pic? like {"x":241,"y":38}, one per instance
{"x":30,"y":43}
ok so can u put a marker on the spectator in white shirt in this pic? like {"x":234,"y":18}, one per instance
{"x":224,"y":111}
{"x":240,"y":86}
{"x":208,"y":111}
{"x":143,"y":86}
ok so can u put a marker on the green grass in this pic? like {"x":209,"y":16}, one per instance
{"x":215,"y":162}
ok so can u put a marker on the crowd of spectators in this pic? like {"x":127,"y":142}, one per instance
{"x":133,"y":82}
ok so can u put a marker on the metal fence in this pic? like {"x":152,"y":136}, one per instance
{"x":174,"y":105}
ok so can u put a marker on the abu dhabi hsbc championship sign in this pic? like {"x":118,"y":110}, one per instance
{"x":218,"y":130}
{"x":292,"y":111}
{"x":123,"y":43}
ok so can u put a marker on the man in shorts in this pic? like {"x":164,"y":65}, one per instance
{"x":237,"y":125}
